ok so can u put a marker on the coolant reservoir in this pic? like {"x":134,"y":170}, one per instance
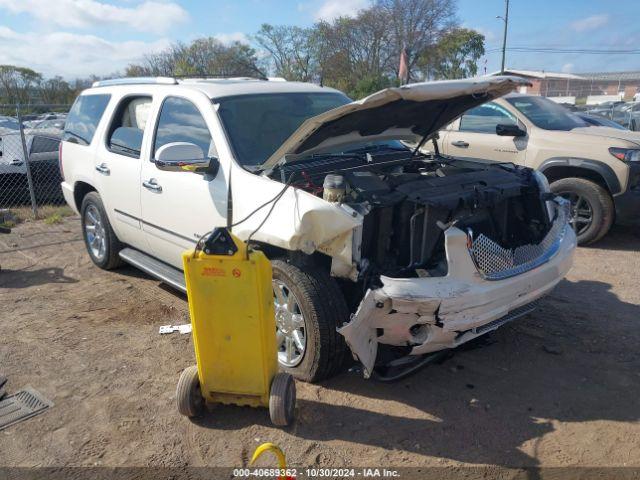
{"x":334,"y":188}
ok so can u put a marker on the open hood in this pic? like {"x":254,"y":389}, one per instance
{"x":408,"y":113}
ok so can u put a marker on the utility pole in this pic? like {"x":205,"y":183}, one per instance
{"x":505,"y":19}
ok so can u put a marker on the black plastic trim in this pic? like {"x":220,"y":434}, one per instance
{"x":601,"y":168}
{"x":156,"y":226}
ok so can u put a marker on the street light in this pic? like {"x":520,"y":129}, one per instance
{"x":505,"y":19}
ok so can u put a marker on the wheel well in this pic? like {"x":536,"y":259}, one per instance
{"x":80,"y":189}
{"x":559,"y":172}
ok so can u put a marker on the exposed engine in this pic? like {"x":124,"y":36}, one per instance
{"x":409,"y":201}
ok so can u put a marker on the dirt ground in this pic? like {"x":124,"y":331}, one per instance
{"x":560,"y":387}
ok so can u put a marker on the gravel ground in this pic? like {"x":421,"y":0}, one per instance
{"x":560,"y":387}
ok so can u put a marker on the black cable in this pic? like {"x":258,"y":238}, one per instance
{"x":276,"y":198}
{"x":273,"y":200}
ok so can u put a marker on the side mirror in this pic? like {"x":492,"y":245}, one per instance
{"x":185,"y":157}
{"x":506,"y":130}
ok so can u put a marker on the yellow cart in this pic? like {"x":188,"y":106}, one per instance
{"x":234,"y":332}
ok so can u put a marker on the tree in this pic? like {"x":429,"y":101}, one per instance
{"x":417,"y":26}
{"x":290,"y":49}
{"x":202,"y":57}
{"x":456,"y":55}
{"x":56,"y":90}
{"x":18,"y":84}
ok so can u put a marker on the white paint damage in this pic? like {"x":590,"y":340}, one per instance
{"x":431,"y":314}
{"x":299,"y":221}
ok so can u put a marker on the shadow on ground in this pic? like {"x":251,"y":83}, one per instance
{"x":29,"y":278}
{"x":482,"y":404}
{"x":620,"y":238}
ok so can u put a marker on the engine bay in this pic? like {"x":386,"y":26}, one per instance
{"x":408,"y":201}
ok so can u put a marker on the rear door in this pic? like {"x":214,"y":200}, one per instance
{"x":118,"y":163}
{"x":179,"y":207}
{"x":474,"y":136}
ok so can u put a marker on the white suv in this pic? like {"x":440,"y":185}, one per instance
{"x":373,"y":245}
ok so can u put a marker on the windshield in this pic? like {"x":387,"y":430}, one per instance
{"x":546,"y":114}
{"x":257,"y":125}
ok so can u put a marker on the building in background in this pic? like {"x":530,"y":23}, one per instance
{"x":592,"y":87}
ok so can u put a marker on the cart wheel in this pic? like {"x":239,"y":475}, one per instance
{"x":188,"y":395}
{"x":282,"y":399}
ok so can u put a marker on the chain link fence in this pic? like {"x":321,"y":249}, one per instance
{"x":30,"y":191}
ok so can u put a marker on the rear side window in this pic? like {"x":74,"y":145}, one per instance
{"x":84,"y":117}
{"x":181,"y":121}
{"x":128,"y":125}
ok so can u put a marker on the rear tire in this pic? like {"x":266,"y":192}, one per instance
{"x":188,"y":394}
{"x":323,"y":308}
{"x":282,"y":399}
{"x":594,"y":198}
{"x":92,"y":210}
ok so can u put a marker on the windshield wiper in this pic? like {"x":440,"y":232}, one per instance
{"x":373,"y":148}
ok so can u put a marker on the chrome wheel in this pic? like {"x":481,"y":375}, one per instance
{"x":290,"y":327}
{"x":95,"y":232}
{"x":581,"y":212}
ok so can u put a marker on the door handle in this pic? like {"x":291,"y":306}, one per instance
{"x":152,"y":185}
{"x":15,"y":162}
{"x":103,"y":169}
{"x":460,"y":143}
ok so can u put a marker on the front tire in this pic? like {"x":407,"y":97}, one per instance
{"x":309,"y":307}
{"x":102,"y":244}
{"x":592,"y":210}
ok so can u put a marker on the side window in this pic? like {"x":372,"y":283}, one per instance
{"x":181,"y":121}
{"x":127,"y":127}
{"x":83,"y":118}
{"x":484,"y":118}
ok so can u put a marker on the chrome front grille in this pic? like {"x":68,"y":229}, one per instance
{"x":495,"y":262}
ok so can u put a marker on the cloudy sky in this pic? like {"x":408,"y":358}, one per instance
{"x":79,"y":37}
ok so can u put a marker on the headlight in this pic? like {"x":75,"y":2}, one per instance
{"x":626,"y":154}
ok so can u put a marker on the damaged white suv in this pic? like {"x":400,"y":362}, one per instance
{"x":374,"y":246}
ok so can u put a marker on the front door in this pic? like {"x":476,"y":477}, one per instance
{"x":179,"y":207}
{"x":475,"y":136}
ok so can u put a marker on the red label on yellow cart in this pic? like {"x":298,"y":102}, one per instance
{"x":213,"y":272}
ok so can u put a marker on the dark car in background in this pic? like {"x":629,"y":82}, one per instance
{"x":42,"y":147}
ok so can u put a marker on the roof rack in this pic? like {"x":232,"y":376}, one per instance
{"x":136,"y":81}
{"x":220,"y":76}
{"x":174,"y":80}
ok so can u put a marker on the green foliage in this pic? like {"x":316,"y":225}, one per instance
{"x":53,"y":219}
{"x":361,"y":54}
{"x":202,"y":57}
{"x":456,"y":55}
{"x":368,"y":85}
